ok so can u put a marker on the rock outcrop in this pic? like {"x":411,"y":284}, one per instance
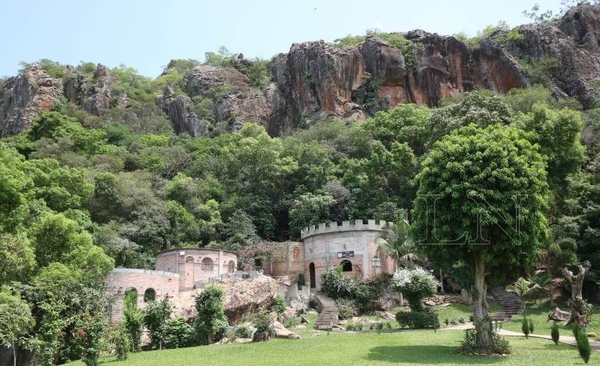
{"x":93,"y":95}
{"x":24,"y":97}
{"x":318,"y":80}
{"x":249,"y":296}
{"x":242,"y":297}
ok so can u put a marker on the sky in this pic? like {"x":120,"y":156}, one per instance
{"x":147,"y":34}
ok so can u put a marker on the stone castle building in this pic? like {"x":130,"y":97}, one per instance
{"x":350,"y":244}
{"x":178,"y":272}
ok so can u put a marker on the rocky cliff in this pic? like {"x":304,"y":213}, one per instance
{"x":318,"y":79}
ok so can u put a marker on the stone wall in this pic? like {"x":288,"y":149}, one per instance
{"x":195,"y":265}
{"x":120,"y":280}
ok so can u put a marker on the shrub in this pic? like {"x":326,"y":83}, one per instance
{"x":292,"y":322}
{"x":243,"y":331}
{"x":336,"y":285}
{"x":471,"y":346}
{"x":264,"y":323}
{"x":278,"y":305}
{"x":178,"y":333}
{"x":531,"y":327}
{"x":555,"y":333}
{"x":418,"y":319}
{"x":119,"y":338}
{"x":583,"y":344}
{"x":525,"y":327}
{"x":415,"y":284}
{"x":346,"y":309}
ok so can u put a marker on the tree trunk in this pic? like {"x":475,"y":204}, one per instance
{"x":14,"y":347}
{"x":482,"y":322}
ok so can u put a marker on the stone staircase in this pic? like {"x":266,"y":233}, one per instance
{"x":328,"y":312}
{"x":509,"y":301}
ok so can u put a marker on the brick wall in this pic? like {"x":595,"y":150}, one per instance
{"x":120,"y":280}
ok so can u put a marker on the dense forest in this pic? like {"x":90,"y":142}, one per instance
{"x":82,"y":193}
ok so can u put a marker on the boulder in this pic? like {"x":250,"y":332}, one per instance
{"x":283,"y":332}
{"x":248,"y":296}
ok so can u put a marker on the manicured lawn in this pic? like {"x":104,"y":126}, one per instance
{"x":363,"y":348}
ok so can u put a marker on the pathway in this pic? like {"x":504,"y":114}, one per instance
{"x":509,"y":333}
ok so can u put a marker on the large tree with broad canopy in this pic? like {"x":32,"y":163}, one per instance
{"x":481,"y":196}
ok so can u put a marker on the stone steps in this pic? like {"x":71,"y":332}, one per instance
{"x":509,"y":301}
{"x":328,"y":316}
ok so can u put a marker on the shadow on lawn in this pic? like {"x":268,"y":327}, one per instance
{"x":426,"y":355}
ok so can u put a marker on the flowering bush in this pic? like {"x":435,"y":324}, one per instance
{"x":414,"y":284}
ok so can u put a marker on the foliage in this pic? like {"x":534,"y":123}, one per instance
{"x":309,"y":209}
{"x":120,"y":340}
{"x":178,"y":333}
{"x":525,"y":327}
{"x":555,"y":333}
{"x":278,"y":305}
{"x":18,"y":260}
{"x":336,"y":285}
{"x":583,"y":344}
{"x":16,"y":320}
{"x":132,"y":324}
{"x":479,"y":175}
{"x":156,"y":315}
{"x":415,"y":284}
{"x":90,"y":329}
{"x":540,"y":71}
{"x":418,"y":319}
{"x":263,"y":322}
{"x":243,"y":331}
{"x":211,"y":320}
{"x":221,"y":58}
{"x":471,"y":346}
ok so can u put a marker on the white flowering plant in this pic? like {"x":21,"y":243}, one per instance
{"x":415,"y":284}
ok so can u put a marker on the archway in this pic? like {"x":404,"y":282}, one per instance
{"x":346,"y":266}
{"x":207,"y":264}
{"x":231,"y":267}
{"x":312,"y":274}
{"x":130,"y":298}
{"x":149,"y":295}
{"x":189,"y":259}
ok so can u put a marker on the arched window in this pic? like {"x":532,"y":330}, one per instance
{"x":207,"y":264}
{"x":130,"y":298}
{"x":189,"y":259}
{"x":149,"y":295}
{"x":346,"y":266}
{"x":231,"y":267}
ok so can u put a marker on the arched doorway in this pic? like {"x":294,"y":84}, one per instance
{"x":313,"y":280}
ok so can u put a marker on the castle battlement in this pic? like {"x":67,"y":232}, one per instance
{"x":344,"y":226}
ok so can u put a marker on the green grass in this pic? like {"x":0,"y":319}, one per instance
{"x":539,"y":315}
{"x":347,"y":348}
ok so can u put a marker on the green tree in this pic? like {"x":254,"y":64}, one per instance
{"x":309,"y":209}
{"x":211,"y":319}
{"x":16,"y":320}
{"x":398,"y":244}
{"x":18,"y":258}
{"x":482,"y":192}
{"x":156,"y":315}
{"x":13,"y":188}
